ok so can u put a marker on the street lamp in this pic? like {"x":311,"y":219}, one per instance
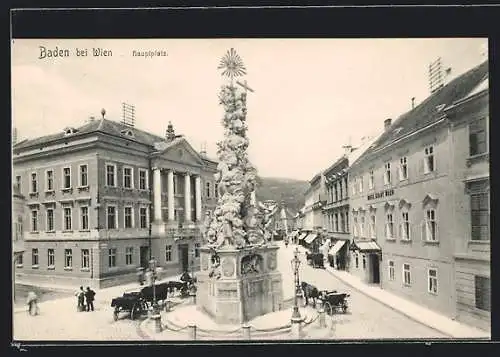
{"x":152,"y":268}
{"x":295,"y":266}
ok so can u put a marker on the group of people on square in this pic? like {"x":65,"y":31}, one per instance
{"x":85,"y":299}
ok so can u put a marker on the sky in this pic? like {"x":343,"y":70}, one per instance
{"x":311,"y":96}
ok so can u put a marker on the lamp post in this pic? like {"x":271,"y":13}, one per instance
{"x":296,"y":318}
{"x":155,"y":313}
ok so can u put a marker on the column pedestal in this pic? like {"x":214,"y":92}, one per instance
{"x":296,"y":328}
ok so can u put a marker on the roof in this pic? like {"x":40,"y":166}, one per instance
{"x":430,"y":110}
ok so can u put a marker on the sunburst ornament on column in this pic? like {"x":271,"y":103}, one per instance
{"x":232,"y":65}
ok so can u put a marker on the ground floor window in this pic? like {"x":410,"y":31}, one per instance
{"x":482,"y":288}
{"x":168,"y":253}
{"x":406,"y":274}
{"x":50,"y":258}
{"x":68,"y":258}
{"x":128,"y":255}
{"x":112,"y":257}
{"x":85,"y":259}
{"x":392,"y":274}
{"x":20,"y":260}
{"x":433,"y":281}
{"x":34,"y":257}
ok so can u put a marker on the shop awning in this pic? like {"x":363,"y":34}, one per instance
{"x":336,"y":247}
{"x":302,"y":236}
{"x":366,"y":246}
{"x":311,"y":237}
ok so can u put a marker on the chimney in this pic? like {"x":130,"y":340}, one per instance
{"x":170,"y":133}
{"x":412,"y":102}
{"x":387,"y":124}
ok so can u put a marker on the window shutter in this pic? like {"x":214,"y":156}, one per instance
{"x":423,"y":231}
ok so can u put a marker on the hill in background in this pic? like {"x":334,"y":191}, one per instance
{"x":277,"y":189}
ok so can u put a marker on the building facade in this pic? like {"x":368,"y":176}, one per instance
{"x":469,"y":128}
{"x":18,"y":203}
{"x":403,"y":202}
{"x":105,"y":198}
{"x":313,"y":215}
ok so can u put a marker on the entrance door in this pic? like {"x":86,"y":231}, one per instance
{"x":144,"y":255}
{"x":375,"y":269}
{"x":184,"y":256}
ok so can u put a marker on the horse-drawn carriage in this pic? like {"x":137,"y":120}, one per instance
{"x":132,"y":302}
{"x":315,"y":260}
{"x":333,"y":301}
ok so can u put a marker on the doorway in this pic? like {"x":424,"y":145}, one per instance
{"x":375,"y":268}
{"x":144,"y":257}
{"x":184,"y":256}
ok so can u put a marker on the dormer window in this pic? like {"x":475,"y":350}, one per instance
{"x":70,"y":131}
{"x":127,"y":132}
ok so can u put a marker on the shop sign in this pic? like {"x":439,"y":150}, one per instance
{"x":380,"y":194}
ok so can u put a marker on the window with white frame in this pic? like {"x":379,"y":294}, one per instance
{"x":34,"y":183}
{"x":112,"y":257}
{"x":389,"y":226}
{"x":85,"y":259}
{"x":34,"y":220}
{"x":478,"y":137}
{"x":84,"y":218}
{"x":168,"y":253}
{"x":432,"y":281}
{"x":387,"y":173}
{"x":51,"y":258}
{"x":110,"y":175}
{"x":405,"y":226}
{"x":66,"y":177}
{"x":403,"y":168}
{"x":50,"y":219}
{"x":373,"y":232}
{"x":129,"y":217}
{"x":84,"y":178}
{"x":68,"y":258}
{"x":392,"y":272}
{"x":482,"y":289}
{"x":129,"y":252}
{"x":143,"y":215}
{"x":49,"y":180}
{"x":18,"y":182}
{"x":429,"y":229}
{"x":34,"y":257}
{"x":67,"y":218}
{"x":428,"y":159}
{"x":111,"y":217}
{"x":479,"y":210}
{"x":406,"y":274}
{"x":362,"y":226}
{"x":128,"y":177}
{"x":19,"y":228}
{"x":143,"y":179}
{"x":371,"y":180}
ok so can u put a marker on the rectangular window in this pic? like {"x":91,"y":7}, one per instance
{"x":84,"y":218}
{"x":143,"y":179}
{"x":67,"y":218}
{"x":128,"y":177}
{"x":112,"y":257}
{"x":51,"y":258}
{"x":433,"y":281}
{"x":18,"y":183}
{"x":128,"y":255}
{"x":85,"y":259}
{"x":34,"y":256}
{"x":68,"y":258}
{"x":143,"y":212}
{"x":482,"y":287}
{"x":111,"y":217}
{"x":34,"y":221}
{"x":196,"y":250}
{"x":128,"y":217}
{"x":346,"y":222}
{"x":49,"y":180}
{"x":84,"y":182}
{"x":50,"y":220}
{"x":406,"y":274}
{"x":20,"y":260}
{"x":429,"y":159}
{"x":478,"y":137}
{"x":392,"y":275}
{"x":403,"y":169}
{"x":405,"y":227}
{"x":480,"y":216}
{"x":34,"y":183}
{"x":110,"y":175}
{"x":66,"y":177}
{"x":389,"y":227}
{"x":387,"y":174}
{"x":430,"y":226}
{"x":371,"y":180}
{"x":168,"y":253}
{"x":373,"y":232}
{"x":207,"y":189}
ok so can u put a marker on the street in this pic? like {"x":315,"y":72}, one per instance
{"x":367,"y":318}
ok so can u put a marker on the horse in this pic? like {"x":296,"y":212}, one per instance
{"x":310,"y":291}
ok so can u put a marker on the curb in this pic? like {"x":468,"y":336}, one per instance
{"x":399,"y":310}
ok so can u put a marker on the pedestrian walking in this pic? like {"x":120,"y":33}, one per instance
{"x":80,"y":296}
{"x":89,"y":297}
{"x":32,"y":302}
{"x":140,"y":276}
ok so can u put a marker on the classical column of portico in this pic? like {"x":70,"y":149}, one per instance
{"x":187,"y":197}
{"x":157,"y":194}
{"x":170,"y":195}
{"x":197,"y":193}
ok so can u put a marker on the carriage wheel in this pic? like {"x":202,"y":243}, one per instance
{"x":133,"y":312}
{"x":328,"y":308}
{"x":115,"y":315}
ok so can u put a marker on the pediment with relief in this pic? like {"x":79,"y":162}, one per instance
{"x":178,"y":150}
